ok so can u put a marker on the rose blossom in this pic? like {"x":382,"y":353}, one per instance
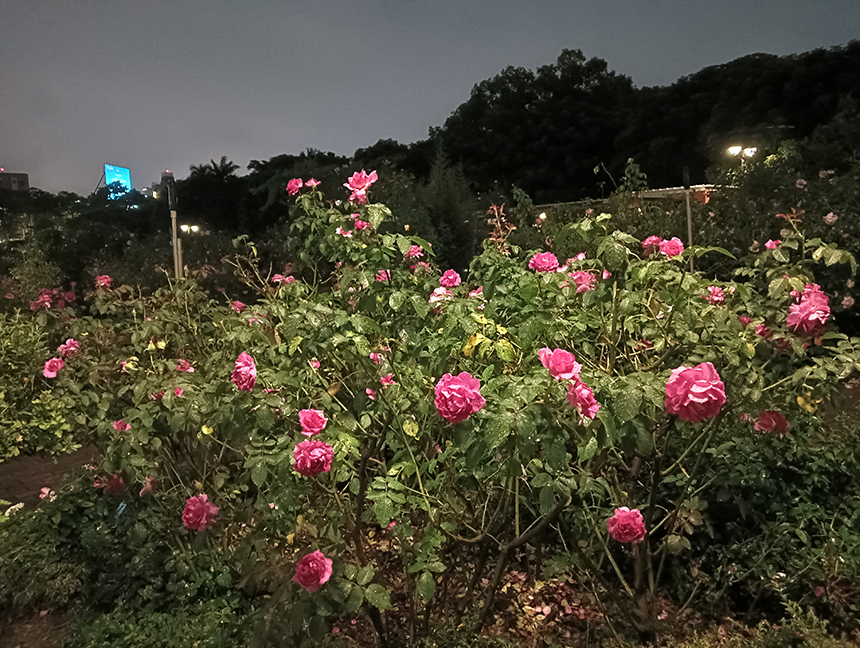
{"x":68,"y":347}
{"x":773,"y":245}
{"x":809,"y":315}
{"x":626,"y":525}
{"x":414,"y":252}
{"x":672,"y":247}
{"x":745,"y":321}
{"x":450,"y":279}
{"x":847,"y":301}
{"x":313,"y":571}
{"x":544,"y":262}
{"x":343,"y":232}
{"x":238,"y":307}
{"x":103,"y":281}
{"x":695,"y":393}
{"x":440,"y":294}
{"x":149,"y":484}
{"x":606,"y":274}
{"x":47,"y":492}
{"x":651,"y":245}
{"x":584,"y":280}
{"x":358,"y":184}
{"x":121,"y":426}
{"x":458,"y":397}
{"x":183,"y":365}
{"x":383,"y":275}
{"x":315,"y":364}
{"x":377,"y":358}
{"x":477,"y":292}
{"x":771,"y":421}
{"x":157,"y":396}
{"x":312,"y":183}
{"x":715,"y":295}
{"x":52,"y":366}
{"x":370,"y":394}
{"x":313,"y":421}
{"x":361,"y":225}
{"x":199,"y":513}
{"x":244,"y":376}
{"x":313,"y":457}
{"x":581,"y":398}
{"x":178,"y":392}
{"x":294,"y":185}
{"x":831,"y":218}
{"x":763,"y":331}
{"x":387,"y":380}
{"x":561,"y":364}
{"x":113,"y":484}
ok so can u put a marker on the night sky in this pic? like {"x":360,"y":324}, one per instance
{"x":162,"y":85}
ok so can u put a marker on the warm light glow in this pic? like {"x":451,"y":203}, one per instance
{"x":184,"y":228}
{"x":750,"y":151}
{"x":194,"y":228}
{"x":542,"y":216}
{"x":735,"y":150}
{"x":155,"y":194}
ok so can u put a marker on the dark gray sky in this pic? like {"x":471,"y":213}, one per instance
{"x":156,"y":85}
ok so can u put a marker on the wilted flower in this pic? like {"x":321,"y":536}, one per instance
{"x":771,"y":421}
{"x":831,"y":218}
{"x":847,"y":301}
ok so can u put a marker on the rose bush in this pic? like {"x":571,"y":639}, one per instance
{"x":451,"y":417}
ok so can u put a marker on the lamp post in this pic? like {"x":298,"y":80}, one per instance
{"x":177,"y":242}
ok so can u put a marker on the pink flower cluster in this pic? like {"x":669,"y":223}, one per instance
{"x":358,"y":184}
{"x":49,"y":297}
{"x":670,"y":248}
{"x":244,"y":375}
{"x":383,"y":275}
{"x":808,"y":315}
{"x":458,"y":397}
{"x":695,"y":393}
{"x":627,"y":525}
{"x":199,"y":513}
{"x":584,"y":280}
{"x":562,"y":365}
{"x":414,"y":252}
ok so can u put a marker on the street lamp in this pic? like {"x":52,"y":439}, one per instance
{"x":742,"y":151}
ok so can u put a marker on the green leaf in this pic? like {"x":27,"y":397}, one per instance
{"x":365,"y":575}
{"x":547,"y":499}
{"x":426,"y":586}
{"x":396,"y":300}
{"x":354,"y":600}
{"x":259,"y":473}
{"x":505,"y":350}
{"x":556,"y":456}
{"x":541,"y":479}
{"x":378,"y":596}
{"x":587,"y":451}
{"x":349,"y":571}
{"x":627,"y":403}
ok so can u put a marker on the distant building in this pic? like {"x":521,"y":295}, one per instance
{"x":14,"y":181}
{"x":154,"y":191}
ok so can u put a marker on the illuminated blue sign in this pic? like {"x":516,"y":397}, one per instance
{"x":120,"y":175}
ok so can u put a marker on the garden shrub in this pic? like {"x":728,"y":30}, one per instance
{"x":377,"y":438}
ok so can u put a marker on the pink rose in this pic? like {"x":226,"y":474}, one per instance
{"x":52,"y":366}
{"x":199,"y":513}
{"x":771,"y":421}
{"x":370,"y":394}
{"x":361,"y":225}
{"x":47,"y":492}
{"x":439,"y":295}
{"x":672,"y":247}
{"x":581,"y":398}
{"x":584,"y":280}
{"x":606,"y":274}
{"x":157,"y":396}
{"x":69,"y":347}
{"x":544,"y":262}
{"x":113,"y":484}
{"x":149,"y":484}
{"x":377,"y":358}
{"x":808,"y":316}
{"x":312,"y":183}
{"x":183,"y":365}
{"x":715,"y":295}
{"x":238,"y":307}
{"x":343,"y":232}
{"x":626,"y":525}
{"x":103,"y":281}
{"x":847,"y":301}
{"x":561,"y":364}
{"x":695,"y":393}
{"x":477,"y":292}
{"x":831,"y":218}
{"x":414,"y":252}
{"x":281,"y":279}
{"x":360,"y":181}
{"x":315,"y":364}
{"x":772,"y":245}
{"x":244,"y":376}
{"x":121,"y":426}
{"x":178,"y":392}
{"x":387,"y":380}
{"x":294,"y":185}
{"x":313,"y":421}
{"x":745,"y":321}
{"x":651,"y":245}
{"x":313,"y":457}
{"x":763,"y":331}
{"x":383,"y":275}
{"x":313,"y":571}
{"x":458,"y":397}
{"x":450,"y":279}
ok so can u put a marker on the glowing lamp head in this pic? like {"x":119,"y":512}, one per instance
{"x":749,"y":151}
{"x":735,"y":150}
